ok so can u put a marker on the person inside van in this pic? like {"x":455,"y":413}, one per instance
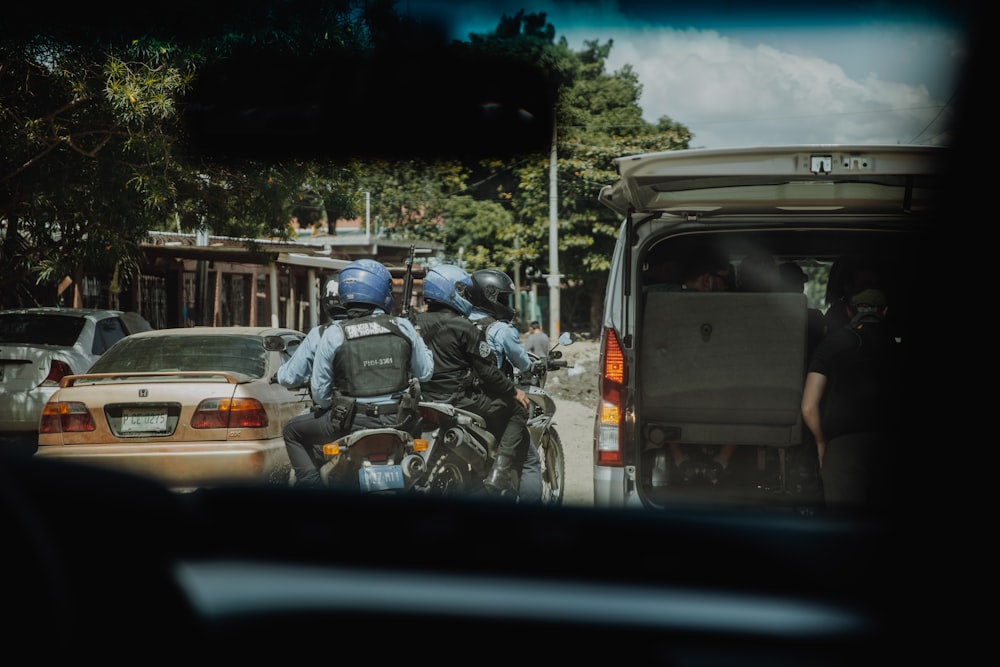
{"x":758,"y":273}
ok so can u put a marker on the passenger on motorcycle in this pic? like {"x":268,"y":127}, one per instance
{"x":466,"y":373}
{"x":491,"y":294}
{"x":363,"y":364}
{"x":297,"y":371}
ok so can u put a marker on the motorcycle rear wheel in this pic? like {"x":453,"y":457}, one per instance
{"x":451,"y":477}
{"x":550,"y":450}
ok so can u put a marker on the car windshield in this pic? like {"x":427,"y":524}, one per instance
{"x":716,"y":467}
{"x":34,"y":329}
{"x":236,"y":354}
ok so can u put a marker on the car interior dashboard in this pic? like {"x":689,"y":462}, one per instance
{"x":99,"y":561}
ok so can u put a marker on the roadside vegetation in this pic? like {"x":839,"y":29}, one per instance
{"x":97,"y":146}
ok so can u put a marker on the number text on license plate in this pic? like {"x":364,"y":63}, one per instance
{"x":144,"y":420}
{"x":380,"y":478}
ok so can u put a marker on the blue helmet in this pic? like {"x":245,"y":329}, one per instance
{"x":448,"y":284}
{"x":365,"y":281}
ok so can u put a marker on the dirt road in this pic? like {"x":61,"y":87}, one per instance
{"x":575,"y":425}
{"x":574,"y":390}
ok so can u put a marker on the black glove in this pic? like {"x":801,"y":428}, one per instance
{"x":539,"y":367}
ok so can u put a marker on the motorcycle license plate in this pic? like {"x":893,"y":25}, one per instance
{"x":380,"y":478}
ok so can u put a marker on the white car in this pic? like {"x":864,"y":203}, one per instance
{"x":40,"y":346}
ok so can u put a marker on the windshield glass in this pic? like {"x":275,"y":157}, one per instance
{"x":59,"y":330}
{"x":237,"y":354}
{"x":210,"y":168}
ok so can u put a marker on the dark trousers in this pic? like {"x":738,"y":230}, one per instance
{"x":530,"y":488}
{"x":857,"y":471}
{"x":306,"y":434}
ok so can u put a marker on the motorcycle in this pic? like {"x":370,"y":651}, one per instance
{"x":385,"y":461}
{"x":461,"y":450}
{"x":440,"y":450}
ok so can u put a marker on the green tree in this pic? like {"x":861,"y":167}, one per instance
{"x":92,"y":140}
{"x":598,"y":119}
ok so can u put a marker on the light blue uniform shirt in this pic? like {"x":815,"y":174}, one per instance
{"x":421,"y":362}
{"x":297,"y":371}
{"x":505,"y":340}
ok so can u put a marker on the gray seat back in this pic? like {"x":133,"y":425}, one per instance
{"x":723,"y":367}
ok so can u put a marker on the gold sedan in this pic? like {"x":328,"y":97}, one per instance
{"x":191,"y":407}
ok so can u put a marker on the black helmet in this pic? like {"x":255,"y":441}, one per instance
{"x":493,"y":292}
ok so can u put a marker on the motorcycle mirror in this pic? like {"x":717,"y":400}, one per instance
{"x":567,"y":338}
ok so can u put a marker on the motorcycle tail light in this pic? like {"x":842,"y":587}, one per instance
{"x":431,"y":418}
{"x":376,"y":447}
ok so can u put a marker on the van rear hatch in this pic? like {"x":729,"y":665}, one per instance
{"x":782,"y":180}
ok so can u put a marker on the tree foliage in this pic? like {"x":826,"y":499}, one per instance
{"x":94,"y":151}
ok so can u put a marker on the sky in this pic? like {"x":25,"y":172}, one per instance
{"x":739,"y":74}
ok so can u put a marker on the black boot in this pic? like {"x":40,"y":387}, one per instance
{"x":501,"y":479}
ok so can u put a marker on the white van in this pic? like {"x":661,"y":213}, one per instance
{"x":688,"y":371}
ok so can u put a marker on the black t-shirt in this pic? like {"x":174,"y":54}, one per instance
{"x":862,"y":363}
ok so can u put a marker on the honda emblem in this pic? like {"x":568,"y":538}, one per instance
{"x":143,"y":393}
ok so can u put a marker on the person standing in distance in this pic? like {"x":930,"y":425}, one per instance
{"x":537,"y":341}
{"x":466,"y":373}
{"x":850,"y":403}
{"x":491,"y":294}
{"x":363,"y":364}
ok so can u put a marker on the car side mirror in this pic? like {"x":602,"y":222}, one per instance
{"x":274,"y":343}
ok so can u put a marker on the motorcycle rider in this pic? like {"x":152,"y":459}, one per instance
{"x":466,"y":373}
{"x":297,"y":370}
{"x":491,"y":294}
{"x":362,"y":366}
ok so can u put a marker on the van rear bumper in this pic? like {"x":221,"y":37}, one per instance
{"x":615,"y":487}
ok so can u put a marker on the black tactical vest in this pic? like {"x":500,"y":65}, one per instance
{"x":484,"y":324}
{"x":374,"y":358}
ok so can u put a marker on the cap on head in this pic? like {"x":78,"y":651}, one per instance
{"x":873,"y":298}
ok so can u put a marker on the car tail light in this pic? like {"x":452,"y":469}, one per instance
{"x":66,"y":417}
{"x":57,"y":371}
{"x":229,"y":413}
{"x":609,"y":452}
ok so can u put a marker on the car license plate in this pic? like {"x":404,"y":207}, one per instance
{"x":380,"y":478}
{"x":143,"y":420}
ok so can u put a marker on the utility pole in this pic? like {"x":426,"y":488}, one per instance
{"x":554,"y":275}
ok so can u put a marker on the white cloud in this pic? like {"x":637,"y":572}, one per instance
{"x":740,"y":80}
{"x":733,"y":94}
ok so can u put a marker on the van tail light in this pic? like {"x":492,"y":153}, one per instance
{"x":66,"y":417}
{"x":229,"y":413}
{"x":57,"y":371}
{"x":611,"y":410}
